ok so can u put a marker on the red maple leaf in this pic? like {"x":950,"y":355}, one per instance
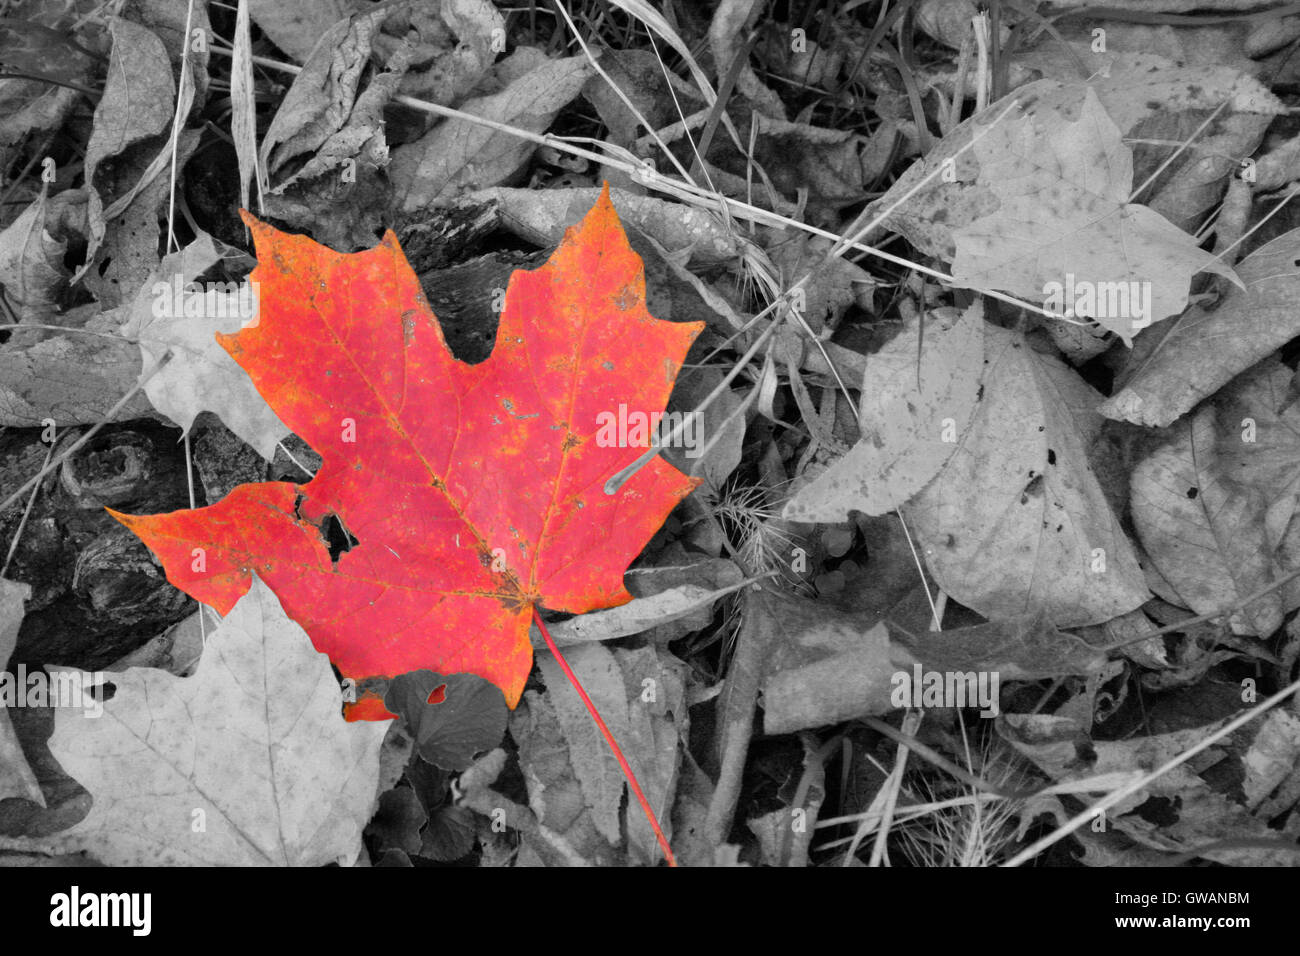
{"x":474,"y":492}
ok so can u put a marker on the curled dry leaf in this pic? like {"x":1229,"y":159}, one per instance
{"x":31,"y":265}
{"x":539,"y":215}
{"x":137,"y":106}
{"x":711,"y":580}
{"x":458,"y":156}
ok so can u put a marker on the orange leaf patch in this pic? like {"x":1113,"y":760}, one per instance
{"x":474,"y":492}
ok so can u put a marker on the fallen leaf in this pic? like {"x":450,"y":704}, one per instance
{"x":835,"y":283}
{"x":1064,"y":216}
{"x":1163,"y":97}
{"x":137,"y":106}
{"x":1135,"y":84}
{"x":445,"y":830}
{"x":452,"y":718}
{"x":539,"y":216}
{"x":658,"y":726}
{"x":73,"y":379}
{"x":459,"y":40}
{"x":1039,"y":509}
{"x":320,"y":102}
{"x":31,"y":265}
{"x":247,"y":763}
{"x":326,"y":145}
{"x":1271,"y":757}
{"x":1024,"y":648}
{"x":16,"y":777}
{"x":651,"y":608}
{"x":449,"y":834}
{"x":169,"y":314}
{"x":297,"y":26}
{"x":711,"y":440}
{"x":1192,"y":813}
{"x":1174,"y":366}
{"x":30,"y":46}
{"x":473,"y":492}
{"x":785,"y":835}
{"x":933,"y":213}
{"x":912,"y":409}
{"x":458,"y":156}
{"x":554,"y":794}
{"x":727,"y":29}
{"x":397,"y":823}
{"x":638,"y":79}
{"x":1213,"y":502}
{"x":848,"y":681}
{"x":598,"y":773}
{"x":820,"y":665}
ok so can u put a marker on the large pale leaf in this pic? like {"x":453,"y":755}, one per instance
{"x":1064,"y":216}
{"x":1149,"y":88}
{"x":1214,"y":504}
{"x":255,"y":740}
{"x":1017,"y":522}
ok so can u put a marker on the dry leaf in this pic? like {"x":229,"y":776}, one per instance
{"x":1016,"y":522}
{"x":247,"y":763}
{"x":1064,"y":216}
{"x":912,"y":411}
{"x":1175,"y":366}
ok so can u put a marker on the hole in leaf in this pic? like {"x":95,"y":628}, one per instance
{"x":438,"y":694}
{"x":337,"y":538}
{"x":1192,"y":493}
{"x":1162,"y":811}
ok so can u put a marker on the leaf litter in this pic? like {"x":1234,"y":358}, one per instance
{"x":1045,"y":441}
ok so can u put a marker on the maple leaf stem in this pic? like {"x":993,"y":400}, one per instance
{"x":609,"y":739}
